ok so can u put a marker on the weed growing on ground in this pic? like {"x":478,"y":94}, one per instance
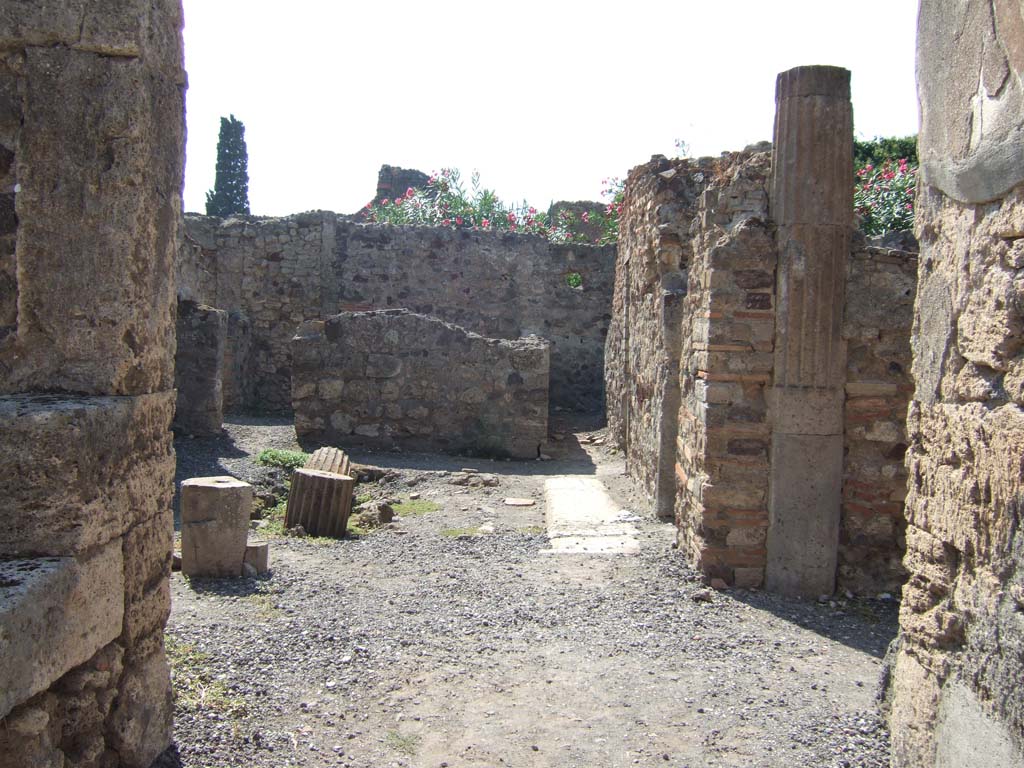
{"x":456,"y":532}
{"x":264,"y":600}
{"x":532,"y":530}
{"x":273,"y":520}
{"x":285,"y":459}
{"x":405,"y":743}
{"x":196,"y":687}
{"x":414,"y":507}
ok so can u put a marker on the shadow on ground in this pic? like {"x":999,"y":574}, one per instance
{"x":866,"y":625}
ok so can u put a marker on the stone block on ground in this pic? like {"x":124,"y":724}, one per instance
{"x":373,"y":514}
{"x":319,"y":502}
{"x":330,"y":460}
{"x":214,"y":526}
{"x":257,"y":555}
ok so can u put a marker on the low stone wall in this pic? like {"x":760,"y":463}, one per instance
{"x":199,"y":367}
{"x":879,"y":314}
{"x":282,"y":272}
{"x":394,"y":376}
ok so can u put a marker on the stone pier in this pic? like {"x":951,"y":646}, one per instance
{"x":91,"y":156}
{"x":811,"y":203}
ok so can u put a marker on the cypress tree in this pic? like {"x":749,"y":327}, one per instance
{"x":230,"y":193}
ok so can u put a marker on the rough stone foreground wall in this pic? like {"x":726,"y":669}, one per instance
{"x":880,"y":292}
{"x":281,"y":272}
{"x":396,"y":376}
{"x":956,"y":698}
{"x":91,"y":152}
{"x":727,"y":342}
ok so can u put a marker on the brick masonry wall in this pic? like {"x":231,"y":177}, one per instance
{"x":394,"y":376}
{"x":281,"y":272}
{"x":877,"y":320}
{"x":727,"y":345}
{"x":642,"y":349}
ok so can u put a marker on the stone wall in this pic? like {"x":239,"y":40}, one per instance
{"x":238,"y":377}
{"x":91,"y":154}
{"x":695,"y":394}
{"x":641,"y":364}
{"x":198,"y":368}
{"x":728,"y":325}
{"x":956,"y":698}
{"x":389,"y":377}
{"x":282,"y":272}
{"x":880,"y":290}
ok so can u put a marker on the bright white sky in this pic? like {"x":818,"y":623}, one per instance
{"x":545,"y":97}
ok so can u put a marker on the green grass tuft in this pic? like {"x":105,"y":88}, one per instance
{"x":413,"y":507}
{"x":456,"y":532}
{"x":285,"y":459}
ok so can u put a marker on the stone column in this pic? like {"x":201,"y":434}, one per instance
{"x":812,"y":205}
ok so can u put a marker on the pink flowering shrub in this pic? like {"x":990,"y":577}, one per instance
{"x":884,"y":196}
{"x":444,"y":202}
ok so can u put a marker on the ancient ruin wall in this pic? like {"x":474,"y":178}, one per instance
{"x":880,"y":290}
{"x":727,"y":343}
{"x":706,"y":222}
{"x":198,"y":368}
{"x":389,"y":377}
{"x":91,"y":153}
{"x":956,"y":698}
{"x":281,"y":272}
{"x":642,"y":348}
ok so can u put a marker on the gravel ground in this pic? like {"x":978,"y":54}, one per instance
{"x":423,"y":645}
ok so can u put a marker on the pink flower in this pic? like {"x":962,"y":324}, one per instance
{"x":369,"y":205}
{"x":585,"y":216}
{"x":533,"y":211}
{"x":384,"y":201}
{"x":445,"y":222}
{"x":869,"y":167}
{"x":409,"y":192}
{"x":458,"y":220}
{"x":485,"y":223}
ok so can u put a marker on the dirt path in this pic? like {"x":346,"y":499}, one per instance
{"x":434,"y":644}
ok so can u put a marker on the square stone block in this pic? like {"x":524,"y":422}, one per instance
{"x":214,"y":526}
